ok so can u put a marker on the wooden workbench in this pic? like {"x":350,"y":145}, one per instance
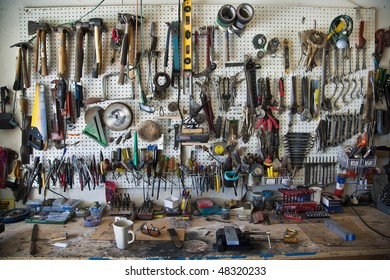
{"x":316,"y":241}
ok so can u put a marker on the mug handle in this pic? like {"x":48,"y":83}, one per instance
{"x":133,"y":238}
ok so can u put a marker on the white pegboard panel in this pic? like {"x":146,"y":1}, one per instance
{"x":273,"y":22}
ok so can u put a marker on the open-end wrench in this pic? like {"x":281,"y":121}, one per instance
{"x":356,"y":123}
{"x":342,"y":62}
{"x":354,"y":88}
{"x":343,"y":121}
{"x":349,"y":125}
{"x":357,"y":68}
{"x":360,"y":88}
{"x":328,"y":130}
{"x":335,"y":130}
{"x":335,"y":75}
{"x":338,"y":97}
{"x":345,"y":100}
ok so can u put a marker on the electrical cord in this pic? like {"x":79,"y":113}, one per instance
{"x":346,"y":30}
{"x":364,"y":222}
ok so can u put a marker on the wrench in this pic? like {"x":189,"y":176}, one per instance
{"x":357,"y":59}
{"x":335,"y":130}
{"x":335,"y":65}
{"x":356,"y":127}
{"x":354,"y":88}
{"x":349,"y":125}
{"x":346,"y":91}
{"x":338,"y":97}
{"x":342,"y":128}
{"x":328,"y":130}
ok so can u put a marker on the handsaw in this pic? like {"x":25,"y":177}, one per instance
{"x":37,"y":135}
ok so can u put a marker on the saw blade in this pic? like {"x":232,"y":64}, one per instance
{"x":118,"y":116}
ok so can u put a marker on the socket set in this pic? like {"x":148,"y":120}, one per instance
{"x":317,"y":214}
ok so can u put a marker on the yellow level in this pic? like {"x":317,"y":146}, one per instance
{"x":187,"y":36}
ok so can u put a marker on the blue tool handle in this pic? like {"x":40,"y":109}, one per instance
{"x":35,"y":138}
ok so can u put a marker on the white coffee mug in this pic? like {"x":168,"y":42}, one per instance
{"x":124,"y":235}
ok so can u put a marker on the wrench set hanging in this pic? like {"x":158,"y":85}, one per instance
{"x":263,"y":102}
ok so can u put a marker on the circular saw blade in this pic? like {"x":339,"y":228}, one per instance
{"x":118,"y":116}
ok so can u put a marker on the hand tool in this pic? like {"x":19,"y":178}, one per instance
{"x":38,"y":136}
{"x":22,"y":77}
{"x":81,"y":29}
{"x":97,"y":25}
{"x":282,"y":106}
{"x":173,"y":29}
{"x":369,"y":104}
{"x":335,"y":106}
{"x":293,"y":100}
{"x":335,"y":130}
{"x":304,"y":108}
{"x":40,"y":29}
{"x":152,"y":53}
{"x":56,"y":120}
{"x":128,"y":20}
{"x":286,"y":52}
{"x":34,"y":239}
{"x":382,"y":40}
{"x":62,"y":55}
{"x":115,"y":42}
{"x":362,"y":45}
{"x":175,"y":238}
{"x":79,"y":98}
{"x":345,"y":99}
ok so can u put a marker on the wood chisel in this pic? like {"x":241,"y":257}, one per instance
{"x":175,"y":238}
{"x":34,"y":238}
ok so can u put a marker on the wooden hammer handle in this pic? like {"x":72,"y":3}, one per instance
{"x":25,"y":75}
{"x":37,"y":47}
{"x":131,"y":53}
{"x":98,"y":44}
{"x":42,"y":47}
{"x":79,"y":55}
{"x":62,"y":55}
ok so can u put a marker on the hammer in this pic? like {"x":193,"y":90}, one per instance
{"x":62,"y":54}
{"x":22,"y":79}
{"x":97,"y":24}
{"x":127,"y":19}
{"x":40,"y":29}
{"x":81,"y":28}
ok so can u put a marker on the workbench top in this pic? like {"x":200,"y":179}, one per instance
{"x":316,"y":241}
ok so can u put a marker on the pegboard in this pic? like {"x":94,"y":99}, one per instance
{"x":273,"y":22}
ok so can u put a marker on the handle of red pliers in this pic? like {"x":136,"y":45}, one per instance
{"x":115,"y":34}
{"x":259,"y":122}
{"x":274,"y":122}
{"x":281,"y":87}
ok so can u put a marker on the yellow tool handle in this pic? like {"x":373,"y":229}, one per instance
{"x":217,"y":183}
{"x":187,"y":35}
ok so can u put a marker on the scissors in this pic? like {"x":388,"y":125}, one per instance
{"x":382,"y":40}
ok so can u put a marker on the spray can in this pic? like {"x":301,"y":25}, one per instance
{"x":340,"y":183}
